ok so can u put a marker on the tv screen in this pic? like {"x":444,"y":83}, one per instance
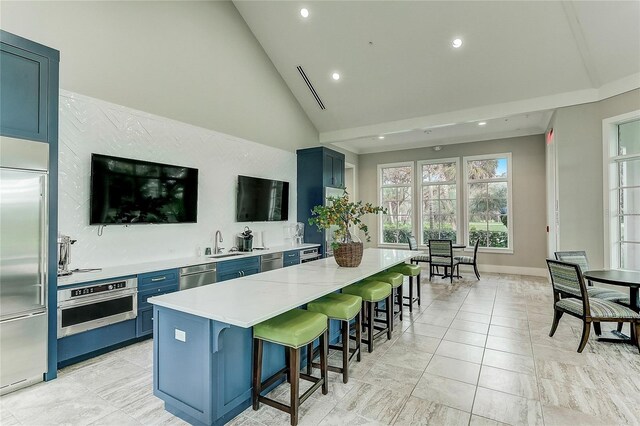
{"x":261,"y":200}
{"x":126,"y":191}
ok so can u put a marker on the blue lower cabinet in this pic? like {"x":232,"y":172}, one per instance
{"x":91,"y":343}
{"x":230,"y":269}
{"x":144,"y":322}
{"x":290,"y":258}
{"x":202,"y":368}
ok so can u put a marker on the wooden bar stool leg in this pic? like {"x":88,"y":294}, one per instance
{"x":419,"y":290}
{"x":310,"y":358}
{"x":294,"y":372}
{"x":287,"y":362}
{"x":359,"y":336}
{"x":324,"y":352}
{"x":410,"y":294}
{"x":345,"y":351}
{"x":257,"y":372}
{"x":389,"y":316}
{"x":400,"y":300}
{"x":370,"y":306}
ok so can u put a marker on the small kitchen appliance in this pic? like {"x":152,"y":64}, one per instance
{"x":244,"y":240}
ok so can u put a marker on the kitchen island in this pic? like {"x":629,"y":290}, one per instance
{"x":203,"y":336}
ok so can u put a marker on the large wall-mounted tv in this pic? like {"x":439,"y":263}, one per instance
{"x":126,"y":191}
{"x":262,"y":200}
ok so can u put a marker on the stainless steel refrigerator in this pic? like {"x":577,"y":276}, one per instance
{"x":23,"y":263}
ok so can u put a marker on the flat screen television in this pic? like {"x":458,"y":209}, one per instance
{"x":262,"y":200}
{"x":126,"y":191}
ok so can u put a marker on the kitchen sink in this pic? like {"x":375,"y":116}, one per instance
{"x":220,"y":256}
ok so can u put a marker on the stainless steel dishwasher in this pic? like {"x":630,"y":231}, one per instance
{"x":197,"y":275}
{"x":270,"y":261}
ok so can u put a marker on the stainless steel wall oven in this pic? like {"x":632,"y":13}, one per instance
{"x":96,"y":305}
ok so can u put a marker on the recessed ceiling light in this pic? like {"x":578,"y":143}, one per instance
{"x":335,"y":76}
{"x":304,"y":13}
{"x":482,"y":123}
{"x":381,"y":137}
{"x":456,"y":42}
{"x":437,"y":148}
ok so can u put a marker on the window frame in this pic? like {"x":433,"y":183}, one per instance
{"x":420,"y":184}
{"x":611,"y":159}
{"x":380,"y":186}
{"x":509,"y":181}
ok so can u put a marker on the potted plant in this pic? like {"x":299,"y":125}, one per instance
{"x":341,"y":214}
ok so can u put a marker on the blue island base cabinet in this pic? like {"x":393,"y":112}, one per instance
{"x":202,"y":368}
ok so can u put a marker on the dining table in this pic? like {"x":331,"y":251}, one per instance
{"x":621,"y":278}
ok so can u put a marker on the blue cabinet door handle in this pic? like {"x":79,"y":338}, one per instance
{"x":158,"y":279}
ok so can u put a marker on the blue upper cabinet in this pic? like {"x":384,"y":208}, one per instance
{"x":29,"y":80}
{"x":318,"y":169}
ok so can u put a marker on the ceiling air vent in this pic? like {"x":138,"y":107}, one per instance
{"x":310,"y":86}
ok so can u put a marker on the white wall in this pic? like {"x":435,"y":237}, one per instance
{"x":192,"y":61}
{"x":88,"y":125}
{"x":578,"y":138}
{"x":528,"y":180}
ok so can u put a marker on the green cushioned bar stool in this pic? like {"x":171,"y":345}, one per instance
{"x":371,"y":293}
{"x":294,"y":330}
{"x":343,"y":308}
{"x":395,"y":279}
{"x":410,"y":270}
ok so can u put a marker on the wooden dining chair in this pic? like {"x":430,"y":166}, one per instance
{"x":421,"y":258}
{"x":567,"y":278}
{"x":579,"y":258}
{"x":441,"y":253}
{"x":468,"y":260}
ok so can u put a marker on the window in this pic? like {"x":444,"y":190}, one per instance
{"x":488,"y":196}
{"x":439,"y":206}
{"x":624,"y":192}
{"x":395,"y":183}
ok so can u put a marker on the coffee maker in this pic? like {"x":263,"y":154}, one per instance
{"x":244,"y":240}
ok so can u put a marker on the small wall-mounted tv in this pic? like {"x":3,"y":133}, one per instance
{"x":126,"y":191}
{"x":262,"y":200}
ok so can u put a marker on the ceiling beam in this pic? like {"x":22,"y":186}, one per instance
{"x":581,"y":43}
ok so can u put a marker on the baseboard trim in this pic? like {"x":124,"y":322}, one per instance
{"x":512,"y":270}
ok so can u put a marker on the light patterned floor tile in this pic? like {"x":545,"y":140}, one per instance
{"x":507,"y":408}
{"x":506,"y":361}
{"x":466,"y":337}
{"x":460,"y":351}
{"x":419,"y":412}
{"x":506,"y":381}
{"x":454,"y":369}
{"x":451,"y":393}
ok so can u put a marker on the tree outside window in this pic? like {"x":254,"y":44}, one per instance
{"x":488,"y":200}
{"x":439,"y":200}
{"x":396,"y":187}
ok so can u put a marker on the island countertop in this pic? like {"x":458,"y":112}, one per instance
{"x":247,"y":301}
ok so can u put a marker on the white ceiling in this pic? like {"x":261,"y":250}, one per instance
{"x":400,"y":75}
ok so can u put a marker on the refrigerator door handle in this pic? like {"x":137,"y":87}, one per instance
{"x":44,"y":230}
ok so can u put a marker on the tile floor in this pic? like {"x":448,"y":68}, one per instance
{"x":474,"y":353}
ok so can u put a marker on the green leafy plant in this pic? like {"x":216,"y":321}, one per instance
{"x":342,"y":214}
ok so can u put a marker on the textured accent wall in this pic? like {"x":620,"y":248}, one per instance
{"x":89,"y":125}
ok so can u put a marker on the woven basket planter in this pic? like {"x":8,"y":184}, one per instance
{"x":348,"y":255}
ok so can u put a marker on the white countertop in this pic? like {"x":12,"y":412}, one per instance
{"x":247,"y":301}
{"x":141,"y":268}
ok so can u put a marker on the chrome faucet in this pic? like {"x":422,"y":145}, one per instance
{"x":216,"y":249}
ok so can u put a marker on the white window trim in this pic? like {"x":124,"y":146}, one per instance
{"x":509,"y":180}
{"x":420,"y":184}
{"x":609,"y":157}
{"x":379,"y":187}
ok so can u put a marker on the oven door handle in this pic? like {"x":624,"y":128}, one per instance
{"x":91,"y":301}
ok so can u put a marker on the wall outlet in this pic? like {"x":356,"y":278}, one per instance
{"x":180,"y":335}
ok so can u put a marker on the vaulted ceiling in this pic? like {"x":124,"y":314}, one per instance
{"x":401,"y":78}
